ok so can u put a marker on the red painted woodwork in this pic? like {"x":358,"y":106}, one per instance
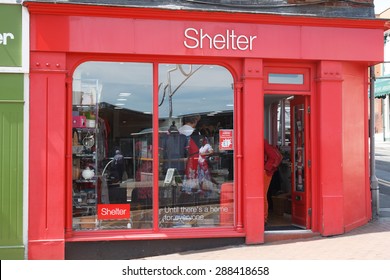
{"x":238,"y":123}
{"x":305,"y":71}
{"x":300,"y":147}
{"x":253,"y":151}
{"x":330,"y":130}
{"x":355,"y":155}
{"x":292,"y":42}
{"x":47,"y":157}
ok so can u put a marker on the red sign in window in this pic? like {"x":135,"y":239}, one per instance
{"x":113,"y":211}
{"x":226,"y":139}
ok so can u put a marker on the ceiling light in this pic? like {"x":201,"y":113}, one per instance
{"x":124,"y":94}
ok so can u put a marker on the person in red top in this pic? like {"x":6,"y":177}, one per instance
{"x":272,"y":159}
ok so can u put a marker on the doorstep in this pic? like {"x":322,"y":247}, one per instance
{"x":282,"y":235}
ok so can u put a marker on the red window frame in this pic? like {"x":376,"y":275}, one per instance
{"x":305,"y":72}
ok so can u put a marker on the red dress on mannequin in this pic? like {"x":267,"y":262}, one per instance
{"x":192,"y":160}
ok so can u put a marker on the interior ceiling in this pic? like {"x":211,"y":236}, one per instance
{"x":271,"y":98}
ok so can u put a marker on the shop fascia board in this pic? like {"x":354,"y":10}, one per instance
{"x":70,"y":9}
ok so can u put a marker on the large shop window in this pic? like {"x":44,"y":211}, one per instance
{"x":114,"y":143}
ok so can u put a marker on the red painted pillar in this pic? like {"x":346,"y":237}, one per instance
{"x":47,"y":157}
{"x":253,"y":151}
{"x":330,"y":148}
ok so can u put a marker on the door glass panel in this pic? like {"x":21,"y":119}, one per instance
{"x":299,"y":147}
{"x":283,"y":123}
{"x":196,"y":146}
{"x":112,"y":146}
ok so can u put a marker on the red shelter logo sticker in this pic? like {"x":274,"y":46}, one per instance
{"x":225,"y":139}
{"x":113,"y":211}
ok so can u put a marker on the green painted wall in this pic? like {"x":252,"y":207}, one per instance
{"x":10,"y":35}
{"x":11,"y":166}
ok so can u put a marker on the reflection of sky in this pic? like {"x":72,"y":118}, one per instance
{"x":131,"y":79}
{"x":207,"y":89}
{"x":287,"y":79}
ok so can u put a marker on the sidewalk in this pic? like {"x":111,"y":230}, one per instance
{"x":369,"y":242}
{"x":381,"y":146}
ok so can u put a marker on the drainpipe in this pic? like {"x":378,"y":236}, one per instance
{"x":373,"y":179}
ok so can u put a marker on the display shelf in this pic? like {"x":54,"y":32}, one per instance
{"x":83,"y":155}
{"x":80,"y":181}
{"x":85,"y":129}
{"x":85,"y":159}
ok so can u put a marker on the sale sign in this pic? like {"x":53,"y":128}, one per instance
{"x":113,"y":211}
{"x":225,"y":139}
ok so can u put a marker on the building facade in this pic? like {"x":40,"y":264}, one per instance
{"x":147,"y":123}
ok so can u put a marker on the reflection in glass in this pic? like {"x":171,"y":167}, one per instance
{"x":113,"y":146}
{"x":283,"y":127}
{"x":112,"y":159}
{"x":299,"y":148}
{"x":290,"y":79}
{"x":196,"y":175}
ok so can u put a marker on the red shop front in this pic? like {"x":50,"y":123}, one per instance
{"x":125,"y":102}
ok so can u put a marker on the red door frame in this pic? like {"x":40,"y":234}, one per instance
{"x":305,"y":92}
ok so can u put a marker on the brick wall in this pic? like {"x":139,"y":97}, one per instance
{"x":378,"y":116}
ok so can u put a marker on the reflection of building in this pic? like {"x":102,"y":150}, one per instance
{"x":382,"y":88}
{"x":325,"y":135}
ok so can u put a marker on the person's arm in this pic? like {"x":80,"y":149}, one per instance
{"x":271,"y":162}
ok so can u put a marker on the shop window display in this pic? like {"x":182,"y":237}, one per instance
{"x":196,"y":105}
{"x":113,"y":151}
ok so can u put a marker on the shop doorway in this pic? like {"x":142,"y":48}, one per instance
{"x":287,"y":126}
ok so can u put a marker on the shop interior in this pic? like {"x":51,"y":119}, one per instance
{"x":281,"y":111}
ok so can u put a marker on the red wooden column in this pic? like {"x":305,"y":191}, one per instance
{"x":253,"y":151}
{"x":47,"y":157}
{"x":330,"y":148}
